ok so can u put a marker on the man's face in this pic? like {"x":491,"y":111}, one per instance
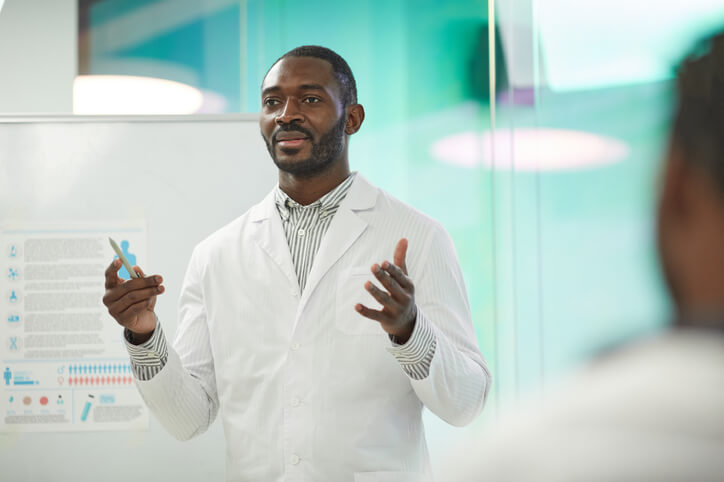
{"x":302,"y":118}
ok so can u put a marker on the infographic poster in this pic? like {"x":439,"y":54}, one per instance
{"x":64,"y":363}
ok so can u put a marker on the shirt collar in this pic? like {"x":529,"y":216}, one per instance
{"x":327,"y":203}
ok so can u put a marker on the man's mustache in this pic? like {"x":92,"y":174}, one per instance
{"x":291,"y":128}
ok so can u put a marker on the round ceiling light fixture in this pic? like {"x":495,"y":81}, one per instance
{"x":530,"y":149}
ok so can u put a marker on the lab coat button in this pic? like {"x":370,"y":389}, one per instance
{"x":300,"y":232}
{"x":295,"y":459}
{"x":295,"y":346}
{"x":295,"y":402}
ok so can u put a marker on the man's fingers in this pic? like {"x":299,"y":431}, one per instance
{"x":112,"y":278}
{"x":388,"y":282}
{"x":400,"y":255}
{"x":383,"y":297}
{"x":120,"y":308}
{"x":370,"y":313}
{"x":118,"y":291}
{"x":398,"y":275}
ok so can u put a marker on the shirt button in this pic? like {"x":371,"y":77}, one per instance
{"x":295,"y":459}
{"x":295,"y":346}
{"x":295,"y":402}
{"x":300,"y":232}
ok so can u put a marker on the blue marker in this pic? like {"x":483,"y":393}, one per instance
{"x":86,"y":408}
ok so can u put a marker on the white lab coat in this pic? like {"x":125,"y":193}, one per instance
{"x":306,"y":387}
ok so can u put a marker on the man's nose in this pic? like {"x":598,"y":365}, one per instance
{"x":290,"y":113}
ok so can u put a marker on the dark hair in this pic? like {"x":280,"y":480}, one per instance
{"x":342,"y":72}
{"x":699,"y":123}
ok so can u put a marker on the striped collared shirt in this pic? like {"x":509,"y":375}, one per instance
{"x":304,"y":228}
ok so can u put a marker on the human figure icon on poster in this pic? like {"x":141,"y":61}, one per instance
{"x":123,"y":272}
{"x":7,"y":375}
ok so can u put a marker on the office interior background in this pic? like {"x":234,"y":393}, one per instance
{"x":532,"y":129}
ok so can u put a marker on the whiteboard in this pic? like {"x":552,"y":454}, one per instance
{"x":184,"y":177}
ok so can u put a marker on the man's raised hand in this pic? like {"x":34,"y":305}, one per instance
{"x":131,"y":302}
{"x":399,"y":311}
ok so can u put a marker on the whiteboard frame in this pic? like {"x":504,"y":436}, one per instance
{"x":61,"y":118}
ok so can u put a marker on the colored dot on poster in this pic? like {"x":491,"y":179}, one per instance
{"x":43,"y":400}
{"x":27,"y":400}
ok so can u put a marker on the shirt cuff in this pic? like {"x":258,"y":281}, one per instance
{"x":415,"y":356}
{"x":148,"y":358}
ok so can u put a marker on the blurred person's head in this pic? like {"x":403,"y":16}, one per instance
{"x":691,"y":207}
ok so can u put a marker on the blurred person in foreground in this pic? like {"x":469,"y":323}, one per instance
{"x":652,"y":410}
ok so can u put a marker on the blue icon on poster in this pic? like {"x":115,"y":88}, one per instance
{"x":13,"y":252}
{"x":7,"y":375}
{"x":13,"y":274}
{"x":13,"y":318}
{"x":13,"y":297}
{"x":123,"y":272}
{"x":86,"y":408}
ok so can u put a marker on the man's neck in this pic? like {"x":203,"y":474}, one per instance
{"x":306,"y":190}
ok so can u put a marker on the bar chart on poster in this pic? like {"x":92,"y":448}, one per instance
{"x":157,"y":186}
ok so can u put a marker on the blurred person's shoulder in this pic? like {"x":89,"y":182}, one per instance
{"x":653,"y":410}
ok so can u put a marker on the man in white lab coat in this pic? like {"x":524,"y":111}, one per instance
{"x":320,"y":373}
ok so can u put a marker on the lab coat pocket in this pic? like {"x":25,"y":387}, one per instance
{"x":388,"y":477}
{"x":350,"y":291}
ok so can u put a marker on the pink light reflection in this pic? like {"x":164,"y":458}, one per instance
{"x":529,"y":149}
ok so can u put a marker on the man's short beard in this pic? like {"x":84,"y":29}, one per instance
{"x":324,"y":153}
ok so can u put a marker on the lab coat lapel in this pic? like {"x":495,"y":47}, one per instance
{"x":345,"y":228}
{"x":268,"y":232}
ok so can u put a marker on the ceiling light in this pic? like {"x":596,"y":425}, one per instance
{"x":530,"y":149}
{"x":126,"y":94}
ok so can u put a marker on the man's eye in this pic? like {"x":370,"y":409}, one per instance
{"x":271,"y":102}
{"x":311,"y":100}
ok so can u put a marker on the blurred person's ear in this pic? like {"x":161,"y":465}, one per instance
{"x":691,"y":234}
{"x":674,"y":197}
{"x":674,"y":213}
{"x":687,"y":194}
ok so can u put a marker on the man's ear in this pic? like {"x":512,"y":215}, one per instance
{"x":355,"y":117}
